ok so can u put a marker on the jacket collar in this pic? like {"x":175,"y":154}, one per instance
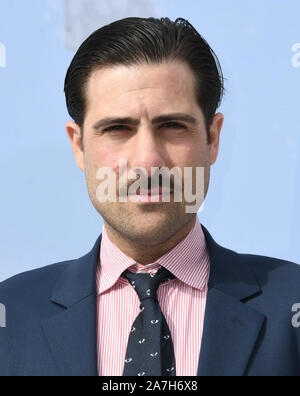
{"x":228,"y":272}
{"x":78,"y":279}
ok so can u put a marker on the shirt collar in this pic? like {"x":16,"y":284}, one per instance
{"x":188,"y":261}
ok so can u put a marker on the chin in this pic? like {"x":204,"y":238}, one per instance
{"x":152,"y":232}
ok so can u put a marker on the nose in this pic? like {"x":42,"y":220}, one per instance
{"x":146,"y":150}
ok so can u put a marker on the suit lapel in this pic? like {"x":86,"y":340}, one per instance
{"x":72,"y":333}
{"x":230,"y":333}
{"x":72,"y":338}
{"x":231,"y":328}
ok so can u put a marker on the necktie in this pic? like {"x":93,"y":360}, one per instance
{"x":150,"y":349}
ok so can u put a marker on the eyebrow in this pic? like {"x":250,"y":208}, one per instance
{"x":133,"y":121}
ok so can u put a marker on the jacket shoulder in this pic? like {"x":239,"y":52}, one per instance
{"x":31,"y":284}
{"x":267,"y":263}
{"x":276,"y":275}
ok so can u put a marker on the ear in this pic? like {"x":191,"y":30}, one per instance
{"x":215,"y":129}
{"x":74,"y":133}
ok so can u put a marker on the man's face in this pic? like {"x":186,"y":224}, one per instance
{"x":143,"y":93}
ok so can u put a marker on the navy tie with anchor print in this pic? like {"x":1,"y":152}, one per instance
{"x":150,"y":349}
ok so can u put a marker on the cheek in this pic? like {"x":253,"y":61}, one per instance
{"x":99,"y":156}
{"x":188,"y":155}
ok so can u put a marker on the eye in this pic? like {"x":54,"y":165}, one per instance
{"x":115,"y":128}
{"x":169,"y":125}
{"x":173,"y":125}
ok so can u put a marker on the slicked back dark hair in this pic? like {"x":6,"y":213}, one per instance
{"x":145,"y":40}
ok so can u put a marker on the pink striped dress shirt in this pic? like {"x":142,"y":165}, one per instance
{"x":182,"y":301}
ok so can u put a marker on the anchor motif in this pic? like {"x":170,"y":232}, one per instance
{"x":154,"y":354}
{"x":141,"y":341}
{"x":128,"y":360}
{"x":154,"y":321}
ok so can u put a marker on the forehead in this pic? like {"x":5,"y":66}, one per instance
{"x":119,"y":88}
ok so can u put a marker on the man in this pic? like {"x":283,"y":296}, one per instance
{"x":146,"y":91}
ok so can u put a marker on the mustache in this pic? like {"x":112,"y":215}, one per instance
{"x":150,"y":183}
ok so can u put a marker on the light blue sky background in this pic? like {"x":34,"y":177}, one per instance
{"x":252,"y":205}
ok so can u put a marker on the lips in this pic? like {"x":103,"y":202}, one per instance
{"x":155,"y":191}
{"x":151,"y":195}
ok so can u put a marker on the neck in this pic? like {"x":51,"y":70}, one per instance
{"x":146,"y":254}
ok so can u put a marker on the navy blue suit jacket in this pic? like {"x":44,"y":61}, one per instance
{"x":51,"y":317}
